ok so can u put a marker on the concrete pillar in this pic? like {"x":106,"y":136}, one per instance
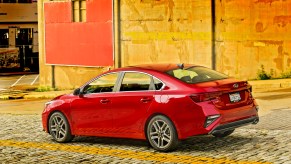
{"x":12,"y":37}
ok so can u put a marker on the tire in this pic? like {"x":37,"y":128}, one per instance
{"x":161,"y":134}
{"x":223,"y":134}
{"x":59,"y":128}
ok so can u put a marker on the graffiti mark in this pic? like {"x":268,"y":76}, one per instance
{"x":169,"y":6}
{"x":271,"y":42}
{"x":231,"y":20}
{"x":227,"y":1}
{"x":282,"y":20}
{"x":266,"y":1}
{"x":260,"y":27}
{"x":281,"y":58}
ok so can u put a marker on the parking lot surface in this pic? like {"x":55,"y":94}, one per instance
{"x":7,"y":82}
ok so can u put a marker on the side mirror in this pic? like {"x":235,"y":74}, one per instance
{"x":77,"y":92}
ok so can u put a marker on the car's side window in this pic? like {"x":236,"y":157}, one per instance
{"x":134,"y":81}
{"x":103,"y":84}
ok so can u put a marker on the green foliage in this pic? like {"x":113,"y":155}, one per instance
{"x":286,"y":74}
{"x":43,"y":89}
{"x":46,"y":89}
{"x":263,"y":75}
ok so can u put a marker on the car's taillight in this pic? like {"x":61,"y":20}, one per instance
{"x":205,"y":96}
{"x":210,"y":119}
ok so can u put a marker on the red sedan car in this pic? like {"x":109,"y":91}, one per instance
{"x":161,"y":103}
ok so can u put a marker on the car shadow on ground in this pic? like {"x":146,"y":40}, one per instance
{"x":204,"y":143}
{"x":209,"y":143}
{"x":110,"y":141}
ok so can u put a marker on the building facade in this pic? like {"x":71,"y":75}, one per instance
{"x":234,"y":37}
{"x":18,"y":35}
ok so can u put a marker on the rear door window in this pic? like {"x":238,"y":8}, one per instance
{"x":135,"y":81}
{"x":197,"y":74}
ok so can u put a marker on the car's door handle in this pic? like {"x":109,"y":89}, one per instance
{"x":145,"y":100}
{"x":104,"y":101}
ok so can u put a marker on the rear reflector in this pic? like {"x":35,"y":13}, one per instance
{"x":210,"y":119}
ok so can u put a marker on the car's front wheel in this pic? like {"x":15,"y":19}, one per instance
{"x":59,"y":128}
{"x":162,"y":134}
{"x":223,"y":134}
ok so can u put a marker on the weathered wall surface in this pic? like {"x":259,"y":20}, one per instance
{"x":165,"y":31}
{"x":252,"y":33}
{"x":249,"y":34}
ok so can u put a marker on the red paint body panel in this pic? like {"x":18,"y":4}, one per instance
{"x":125,"y":114}
{"x":79,"y":43}
{"x":89,"y":116}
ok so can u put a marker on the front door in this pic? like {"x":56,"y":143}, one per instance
{"x":90,"y":111}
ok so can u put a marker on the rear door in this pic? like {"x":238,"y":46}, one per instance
{"x":131,"y":103}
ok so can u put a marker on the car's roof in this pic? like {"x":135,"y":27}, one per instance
{"x":158,"y":67}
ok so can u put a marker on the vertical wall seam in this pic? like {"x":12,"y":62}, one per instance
{"x":213,"y":35}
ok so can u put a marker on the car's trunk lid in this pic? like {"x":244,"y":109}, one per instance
{"x":225,"y":94}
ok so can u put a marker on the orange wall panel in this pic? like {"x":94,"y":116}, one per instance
{"x":79,"y":43}
{"x":99,"y":10}
{"x":58,"y":12}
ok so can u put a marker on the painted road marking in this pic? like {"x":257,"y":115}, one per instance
{"x":17,"y":81}
{"x":34,"y":80}
{"x":145,"y":156}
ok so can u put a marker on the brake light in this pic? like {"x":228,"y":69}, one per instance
{"x":205,"y":96}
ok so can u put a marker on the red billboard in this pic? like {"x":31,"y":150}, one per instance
{"x":88,"y":43}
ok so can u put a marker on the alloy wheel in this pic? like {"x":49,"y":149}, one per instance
{"x":59,"y":128}
{"x":160,"y":134}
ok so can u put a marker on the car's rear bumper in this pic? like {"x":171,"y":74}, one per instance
{"x":233,"y":125}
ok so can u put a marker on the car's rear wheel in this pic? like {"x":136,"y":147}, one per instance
{"x":223,"y":134}
{"x":162,"y":134}
{"x":59,"y":128}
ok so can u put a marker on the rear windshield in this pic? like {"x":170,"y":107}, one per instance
{"x":195,"y":75}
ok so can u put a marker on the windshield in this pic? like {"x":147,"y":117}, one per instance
{"x":195,"y":75}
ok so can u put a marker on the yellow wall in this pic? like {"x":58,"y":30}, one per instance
{"x":177,"y":31}
{"x":252,"y":33}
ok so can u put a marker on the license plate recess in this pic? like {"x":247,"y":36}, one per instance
{"x":234,"y":97}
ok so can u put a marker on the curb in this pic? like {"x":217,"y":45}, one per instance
{"x":34,"y":95}
{"x":268,"y":85}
